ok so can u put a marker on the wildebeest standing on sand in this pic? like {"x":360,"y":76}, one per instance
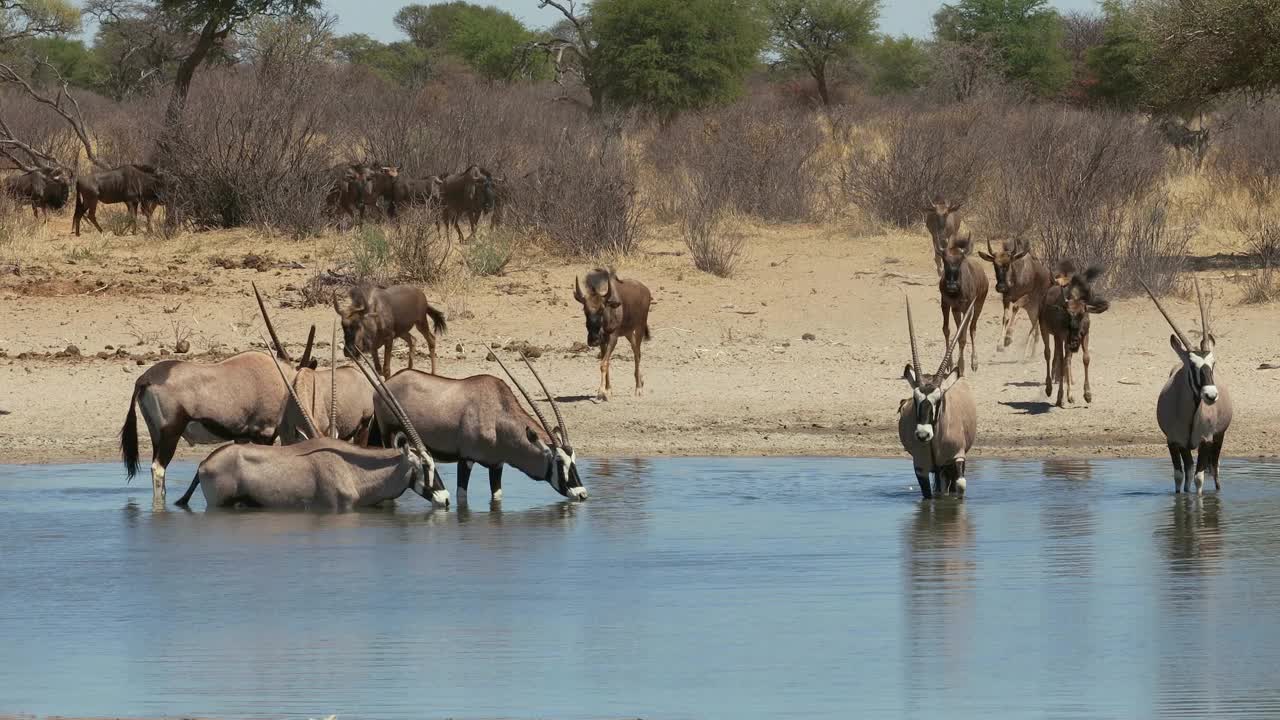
{"x":945,"y":227}
{"x":377,"y":315}
{"x":963,"y":283}
{"x":399,"y":191}
{"x":43,"y":188}
{"x":614,"y":308}
{"x":352,"y":190}
{"x":137,"y":186}
{"x":1021,"y":280}
{"x":472,"y":192}
{"x":1064,"y":317}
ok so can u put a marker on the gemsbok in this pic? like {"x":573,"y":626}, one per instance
{"x":614,"y":308}
{"x":320,"y":473}
{"x":963,"y":285}
{"x":235,"y":400}
{"x":1194,"y":409}
{"x":939,"y":422}
{"x":479,"y":420}
{"x":352,"y":414}
{"x":942,"y":219}
{"x":1064,"y":317}
{"x":1021,"y":280}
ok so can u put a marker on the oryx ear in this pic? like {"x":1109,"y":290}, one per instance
{"x":909,"y":374}
{"x":1176,"y":344}
{"x":951,"y":379}
{"x":985,"y":256}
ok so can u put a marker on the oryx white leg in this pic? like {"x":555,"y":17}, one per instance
{"x":1176,"y":455}
{"x":157,"y":483}
{"x":495,"y":483}
{"x":1204,"y":456}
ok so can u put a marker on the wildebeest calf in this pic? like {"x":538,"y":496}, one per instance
{"x":377,"y":315}
{"x":614,"y":308}
{"x":352,"y":191}
{"x":44,"y":189}
{"x":963,"y":283}
{"x":137,"y":186}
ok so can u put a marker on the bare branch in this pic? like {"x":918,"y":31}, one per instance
{"x":70,"y":111}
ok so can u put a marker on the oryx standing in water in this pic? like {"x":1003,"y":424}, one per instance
{"x":319,"y":472}
{"x":1194,"y":409}
{"x":479,"y":420}
{"x":939,"y":422}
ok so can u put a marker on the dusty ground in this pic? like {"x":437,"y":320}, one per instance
{"x":727,"y":371}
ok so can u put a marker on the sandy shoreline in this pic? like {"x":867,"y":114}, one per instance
{"x":729,"y":371}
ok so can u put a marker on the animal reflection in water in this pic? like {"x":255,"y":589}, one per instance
{"x":941,"y":574}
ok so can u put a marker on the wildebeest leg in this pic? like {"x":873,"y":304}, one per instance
{"x":386,"y":358}
{"x":1064,"y":373}
{"x":424,"y":327}
{"x":1215,"y":458}
{"x":1059,"y":366}
{"x":186,"y":497}
{"x":959,"y":317}
{"x":973,"y":337}
{"x":132,"y":207}
{"x":1006,"y":324}
{"x":1084,"y":358}
{"x":92,"y":213}
{"x":408,"y":338}
{"x":1178,"y":471}
{"x":1033,"y":334}
{"x":636,"y":338}
{"x":474,"y":217}
{"x":464,"y":478}
{"x":922,"y":477}
{"x":606,"y":353}
{"x":1048,"y":365}
{"x":147,"y":209}
{"x":495,"y":483}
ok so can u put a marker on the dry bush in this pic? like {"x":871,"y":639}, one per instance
{"x":762,"y":158}
{"x":416,"y":250}
{"x":257,"y":144}
{"x":1088,"y":187}
{"x":40,"y":127}
{"x":714,"y":248}
{"x":920,"y":155}
{"x":1248,"y":156}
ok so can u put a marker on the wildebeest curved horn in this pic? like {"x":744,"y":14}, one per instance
{"x":370,"y":374}
{"x":1204,"y":317}
{"x":293,"y":397}
{"x":989,"y":250}
{"x":555,"y":406}
{"x":915,"y":352}
{"x":336,"y":308}
{"x":529,"y":399}
{"x":275,"y":340}
{"x":1182,"y":337}
{"x":946,"y":359}
{"x":333,"y":381}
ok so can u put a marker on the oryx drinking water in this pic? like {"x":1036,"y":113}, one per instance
{"x":320,"y":472}
{"x":1194,"y":409}
{"x":479,"y":420}
{"x":939,"y":422}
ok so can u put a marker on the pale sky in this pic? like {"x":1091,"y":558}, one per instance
{"x":373,"y":17}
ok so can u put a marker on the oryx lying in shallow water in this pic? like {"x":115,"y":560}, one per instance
{"x":479,"y":420}
{"x":320,"y":473}
{"x":1194,"y":409}
{"x":939,"y":422}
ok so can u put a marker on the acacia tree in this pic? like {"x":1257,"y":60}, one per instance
{"x":814,"y":34}
{"x":1026,"y":35}
{"x":1198,"y":50}
{"x":22,"y":19}
{"x":214,"y":21}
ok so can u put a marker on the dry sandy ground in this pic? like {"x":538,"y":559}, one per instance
{"x":727,"y":371}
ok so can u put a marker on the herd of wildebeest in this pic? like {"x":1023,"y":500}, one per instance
{"x":356,"y":189}
{"x":356,"y":434}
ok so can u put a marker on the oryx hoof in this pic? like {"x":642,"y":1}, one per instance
{"x":1088,"y":396}
{"x":496,"y":496}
